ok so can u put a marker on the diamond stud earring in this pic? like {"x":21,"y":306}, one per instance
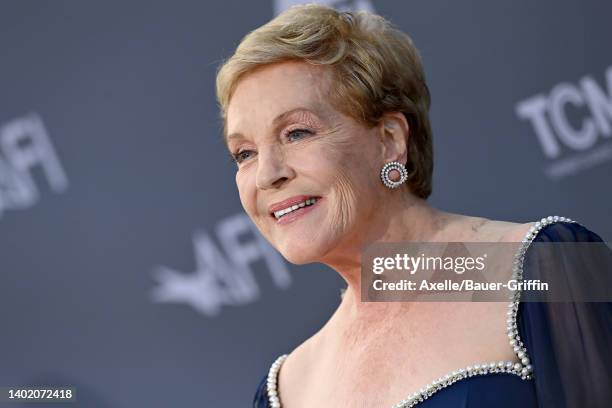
{"x":386,"y":171}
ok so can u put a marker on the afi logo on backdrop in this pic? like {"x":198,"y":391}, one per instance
{"x":341,"y":5}
{"x":24,"y":146}
{"x":222,"y":277}
{"x":573,"y":124}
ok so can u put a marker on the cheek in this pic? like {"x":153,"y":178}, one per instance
{"x":346,"y":200}
{"x":352,"y":159}
{"x":349,"y":168}
{"x":246,"y":191}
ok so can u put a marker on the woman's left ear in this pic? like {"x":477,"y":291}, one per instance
{"x":394,"y":137}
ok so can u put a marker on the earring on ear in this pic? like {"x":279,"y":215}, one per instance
{"x":386,"y":171}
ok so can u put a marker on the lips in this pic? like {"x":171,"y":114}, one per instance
{"x":281,"y":205}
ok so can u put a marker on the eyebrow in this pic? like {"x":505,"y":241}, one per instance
{"x":275,"y":122}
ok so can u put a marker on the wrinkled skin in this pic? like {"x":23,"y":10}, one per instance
{"x":337,"y":158}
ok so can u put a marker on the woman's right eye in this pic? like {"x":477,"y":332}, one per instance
{"x":241,"y":156}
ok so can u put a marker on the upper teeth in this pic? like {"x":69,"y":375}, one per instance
{"x":294,"y":207}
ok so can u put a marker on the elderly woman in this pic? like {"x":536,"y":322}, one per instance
{"x":326,"y":117}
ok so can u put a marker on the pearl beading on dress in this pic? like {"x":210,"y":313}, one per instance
{"x":522,"y":369}
{"x":271,"y":382}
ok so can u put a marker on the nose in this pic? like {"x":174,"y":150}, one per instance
{"x":272,"y":168}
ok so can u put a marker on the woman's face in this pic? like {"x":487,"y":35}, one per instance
{"x":291,"y":144}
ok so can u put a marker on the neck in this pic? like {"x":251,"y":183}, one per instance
{"x":407,"y":219}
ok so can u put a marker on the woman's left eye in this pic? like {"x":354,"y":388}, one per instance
{"x":298,"y":134}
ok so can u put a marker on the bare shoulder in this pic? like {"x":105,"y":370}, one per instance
{"x":509,"y":231}
{"x":295,"y":369}
{"x":480,"y":229}
{"x":296,"y":360}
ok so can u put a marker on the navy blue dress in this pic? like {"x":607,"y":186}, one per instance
{"x":566,"y":357}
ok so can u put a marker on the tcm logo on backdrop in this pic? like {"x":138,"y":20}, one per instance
{"x":24,"y":146}
{"x":222,"y":277}
{"x":573,"y":124}
{"x":341,"y":5}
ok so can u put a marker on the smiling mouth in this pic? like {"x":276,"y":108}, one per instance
{"x":306,"y":203}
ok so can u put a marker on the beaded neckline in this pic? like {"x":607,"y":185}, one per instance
{"x":523,"y":369}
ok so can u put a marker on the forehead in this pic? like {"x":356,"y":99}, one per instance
{"x":271,"y":90}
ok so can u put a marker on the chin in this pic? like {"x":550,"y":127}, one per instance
{"x":300,"y":255}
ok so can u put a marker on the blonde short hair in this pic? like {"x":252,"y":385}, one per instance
{"x":376,"y":69}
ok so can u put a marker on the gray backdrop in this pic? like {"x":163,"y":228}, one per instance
{"x":127,"y":267}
